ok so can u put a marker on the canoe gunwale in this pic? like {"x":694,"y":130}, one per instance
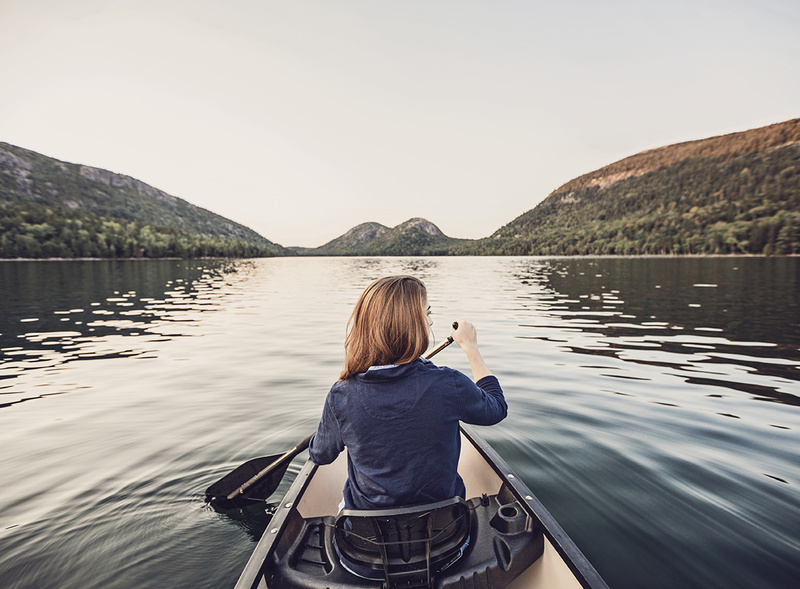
{"x":253,"y":569}
{"x":569,"y":552}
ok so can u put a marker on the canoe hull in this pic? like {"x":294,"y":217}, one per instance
{"x":561,"y":564}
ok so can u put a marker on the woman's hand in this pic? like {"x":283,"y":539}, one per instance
{"x":466,"y":336}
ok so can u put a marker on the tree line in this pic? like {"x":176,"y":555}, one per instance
{"x":28,"y":230}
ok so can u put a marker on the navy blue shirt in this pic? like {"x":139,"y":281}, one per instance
{"x":400,"y":427}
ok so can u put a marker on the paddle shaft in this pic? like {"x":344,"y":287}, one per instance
{"x":442,"y":345}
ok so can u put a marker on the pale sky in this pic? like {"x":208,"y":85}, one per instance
{"x":302,"y":118}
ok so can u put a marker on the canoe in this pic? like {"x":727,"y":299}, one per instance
{"x":501,"y":537}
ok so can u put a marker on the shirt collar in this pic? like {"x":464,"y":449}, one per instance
{"x":384,"y":367}
{"x":391,"y":371}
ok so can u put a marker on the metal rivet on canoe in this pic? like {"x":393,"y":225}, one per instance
{"x":288,"y":505}
{"x":511,"y":476}
{"x":528,"y":497}
{"x":273,"y":531}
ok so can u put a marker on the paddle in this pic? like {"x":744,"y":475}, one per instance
{"x":257,"y":479}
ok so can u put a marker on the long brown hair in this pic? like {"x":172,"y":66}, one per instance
{"x":388,"y":326}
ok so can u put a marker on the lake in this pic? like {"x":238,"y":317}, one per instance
{"x":654,"y":406}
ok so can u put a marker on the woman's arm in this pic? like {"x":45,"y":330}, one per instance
{"x":467,"y":338}
{"x":326,"y":444}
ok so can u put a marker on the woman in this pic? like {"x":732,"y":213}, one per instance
{"x":396,"y":412}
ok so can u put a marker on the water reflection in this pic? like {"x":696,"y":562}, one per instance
{"x":369,"y":269}
{"x":252,"y":519}
{"x":57,"y":313}
{"x":699,"y":320}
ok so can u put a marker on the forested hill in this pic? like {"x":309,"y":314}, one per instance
{"x":415,"y":237}
{"x":732,"y":194}
{"x":736,"y":193}
{"x":50,"y":208}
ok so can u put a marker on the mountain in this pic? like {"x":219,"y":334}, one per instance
{"x":736,"y":193}
{"x":50,"y":207}
{"x":733,"y":194}
{"x":415,"y":237}
{"x":357,"y":238}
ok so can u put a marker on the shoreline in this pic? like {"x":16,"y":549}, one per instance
{"x":553,"y":256}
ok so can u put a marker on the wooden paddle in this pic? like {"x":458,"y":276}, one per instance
{"x":257,"y":479}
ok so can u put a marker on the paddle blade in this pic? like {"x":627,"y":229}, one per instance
{"x":255,"y":480}
{"x":219,"y":491}
{"x":266,"y":485}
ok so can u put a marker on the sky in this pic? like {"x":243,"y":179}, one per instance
{"x":303,"y":118}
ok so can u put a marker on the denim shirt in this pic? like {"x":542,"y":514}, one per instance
{"x":400,"y":425}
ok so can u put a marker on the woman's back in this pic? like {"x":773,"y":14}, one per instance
{"x":400,"y":427}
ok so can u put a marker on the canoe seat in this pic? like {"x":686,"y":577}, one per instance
{"x":404,"y":546}
{"x":482,"y":543}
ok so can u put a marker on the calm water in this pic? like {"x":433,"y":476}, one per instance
{"x":654,"y":406}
